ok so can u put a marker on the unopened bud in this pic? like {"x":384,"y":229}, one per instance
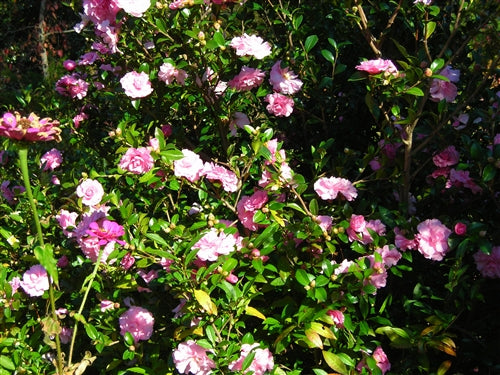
{"x":428,"y":72}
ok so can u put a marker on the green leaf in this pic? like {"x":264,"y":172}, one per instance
{"x":414,"y":91}
{"x":157,"y":239}
{"x":335,"y":362}
{"x":437,"y":65}
{"x":91,"y":331}
{"x":313,"y":206}
{"x":328,"y":55}
{"x":7,"y":363}
{"x":45,"y":255}
{"x":489,"y":173}
{"x":297,"y":21}
{"x":303,"y":277}
{"x":430,"y":27}
{"x":205,"y":301}
{"x":219,"y":39}
{"x":311,"y":41}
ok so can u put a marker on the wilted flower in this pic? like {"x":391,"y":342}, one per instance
{"x":30,"y":128}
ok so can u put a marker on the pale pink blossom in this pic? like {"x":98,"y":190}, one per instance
{"x":247,"y":79}
{"x":337,"y":317}
{"x":178,"y":4}
{"x":135,"y":8}
{"x":65,"y":335}
{"x":15,"y":283}
{"x":358,"y":229}
{"x":148,"y":276}
{"x":35,"y":281}
{"x":462,"y":179}
{"x":99,"y":11}
{"x":189,"y":357}
{"x":67,"y":220}
{"x":238,"y":119}
{"x":106,"y":305}
{"x":137,"y":160}
{"x":425,"y":2}
{"x":190,"y":166}
{"x":248,"y":205}
{"x":381,"y":359}
{"x":446,"y":158}
{"x":127,"y":261}
{"x":402,"y":242}
{"x":329,"y":187}
{"x":488,"y":264}
{"x":325,"y":222}
{"x":432,"y":239}
{"x":251,"y":45}
{"x":461,"y":121}
{"x":262,"y":362}
{"x":88,"y":58}
{"x":214,"y":172}
{"x":279,"y":104}
{"x":168,"y":73}
{"x":91,"y":192}
{"x":51,"y":160}
{"x":284,"y":80}
{"x":91,"y":248}
{"x":441,"y":89}
{"x":138,"y":321}
{"x":390,"y":257}
{"x":136,"y":85}
{"x":377,"y":66}
{"x":214,"y":243}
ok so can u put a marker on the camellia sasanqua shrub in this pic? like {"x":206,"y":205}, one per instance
{"x":258,"y":187}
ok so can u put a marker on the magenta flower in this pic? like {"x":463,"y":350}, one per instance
{"x":215,"y":172}
{"x":460,"y":229}
{"x":69,"y":65}
{"x":432,"y":239}
{"x":72,"y":86}
{"x":35,"y":281}
{"x":337,"y":317}
{"x":488,"y":264}
{"x":279,"y":105}
{"x":136,"y":85}
{"x":137,"y":160}
{"x":99,"y":11}
{"x":51,"y":160}
{"x":377,"y":66}
{"x":138,"y":322}
{"x":189,"y":357}
{"x":462,"y":179}
{"x":380,"y":359}
{"x":284,"y":80}
{"x":106,"y":231}
{"x":90,"y":191}
{"x":190,"y":166}
{"x":443,"y":90}
{"x":30,"y":128}
{"x":262,"y":362}
{"x":247,"y":79}
{"x":251,"y":45}
{"x":448,"y":157}
{"x":329,"y":187}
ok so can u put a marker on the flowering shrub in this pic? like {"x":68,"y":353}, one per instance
{"x":242,"y":193}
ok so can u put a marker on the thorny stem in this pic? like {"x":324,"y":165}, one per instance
{"x":23,"y":163}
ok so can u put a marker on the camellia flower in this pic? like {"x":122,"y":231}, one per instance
{"x":51,"y":160}
{"x":228,"y":178}
{"x":432,"y":239}
{"x":137,"y":160}
{"x":72,"y":86}
{"x":488,"y":264}
{"x":135,"y":8}
{"x":279,"y":105}
{"x":441,"y":89}
{"x":136,"y":85}
{"x":380,"y":359}
{"x":248,"y":205}
{"x":377,"y":66}
{"x":90,"y":191}
{"x":138,"y":322}
{"x":247,"y":79}
{"x":329,"y":187}
{"x":448,"y":157}
{"x":35,"y":281}
{"x":30,"y":128}
{"x":462,"y":179}
{"x":337,"y":317}
{"x":190,"y":166}
{"x":106,"y":231}
{"x":215,"y":243}
{"x":283,"y":80}
{"x":251,"y":45}
{"x":189,"y":357}
{"x":262,"y":362}
{"x":168,"y":73}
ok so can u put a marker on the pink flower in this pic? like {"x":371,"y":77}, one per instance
{"x":488,"y":264}
{"x":99,"y":11}
{"x":329,"y":187}
{"x":228,"y":178}
{"x":440,"y":89}
{"x":30,"y":129}
{"x":137,"y":160}
{"x":247,"y":79}
{"x":189,"y":357}
{"x":138,"y":322}
{"x":88,"y":58}
{"x":15,"y":283}
{"x":190,"y":166}
{"x":66,"y":220}
{"x":214,"y":243}
{"x":324,"y":222}
{"x":390,"y":257}
{"x":65,"y":335}
{"x":337,"y":317}
{"x":262,"y":362}
{"x":462,"y":179}
{"x":72,"y":86}
{"x":127,"y":261}
{"x":135,"y":8}
{"x":90,"y":191}
{"x":448,"y":157}
{"x":238,"y":119}
{"x":460,"y":229}
{"x":432,"y":239}
{"x":279,"y":105}
{"x":168,"y":73}
{"x":248,"y":205}
{"x":10,"y":194}
{"x":148,"y":276}
{"x":106,"y":231}
{"x":377,"y":66}
{"x":35,"y":281}
{"x":51,"y":160}
{"x":425,"y":2}
{"x":358,"y":229}
{"x":284,"y":81}
{"x":381,"y":359}
{"x":136,"y":85}
{"x":91,"y":248}
{"x":106,"y":305}
{"x":69,"y":65}
{"x":251,"y":45}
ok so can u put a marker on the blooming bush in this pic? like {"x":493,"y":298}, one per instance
{"x":242,"y":193}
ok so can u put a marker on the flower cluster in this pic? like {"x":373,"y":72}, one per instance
{"x":31,"y":128}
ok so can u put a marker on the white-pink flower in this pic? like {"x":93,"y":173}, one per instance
{"x":448,"y":157}
{"x":279,"y":104}
{"x":35,"y":281}
{"x":190,"y":166}
{"x":138,"y":322}
{"x":90,"y":191}
{"x":215,"y":243}
{"x":377,"y":66}
{"x":251,"y":45}
{"x":189,"y":357}
{"x":136,"y":85}
{"x":228,"y":178}
{"x":247,"y":79}
{"x":168,"y":73}
{"x":441,"y":89}
{"x":488,"y":264}
{"x":262,"y":362}
{"x":135,"y":8}
{"x":284,"y":80}
{"x":137,"y":160}
{"x":329,"y":187}
{"x":432,"y":239}
{"x":51,"y":160}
